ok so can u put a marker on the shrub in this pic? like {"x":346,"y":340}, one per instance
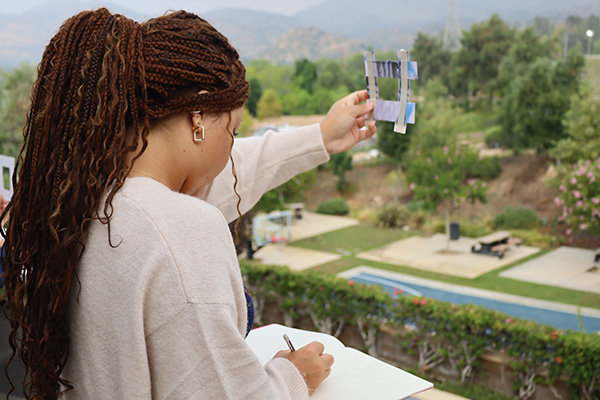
{"x":461,"y":333}
{"x":579,"y":196}
{"x":473,"y":230}
{"x":393,"y":215}
{"x":533,"y":237}
{"x":334,"y":207}
{"x":494,"y":136}
{"x":486,"y":168}
{"x":517,"y":218}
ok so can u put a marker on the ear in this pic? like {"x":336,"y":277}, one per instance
{"x":196,"y":118}
{"x":197,"y":115}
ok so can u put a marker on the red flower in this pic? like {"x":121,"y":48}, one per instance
{"x":559,"y":360}
{"x":554,"y":335}
{"x":423,"y":302}
{"x":351,"y":283}
{"x":416,"y":301}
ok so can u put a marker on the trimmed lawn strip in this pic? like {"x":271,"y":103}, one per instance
{"x":353,"y":239}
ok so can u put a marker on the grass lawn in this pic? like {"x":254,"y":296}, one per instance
{"x":352,"y":240}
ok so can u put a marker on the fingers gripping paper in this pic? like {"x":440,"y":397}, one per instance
{"x":402,"y":111}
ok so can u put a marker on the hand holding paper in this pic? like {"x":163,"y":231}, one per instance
{"x":341,"y":127}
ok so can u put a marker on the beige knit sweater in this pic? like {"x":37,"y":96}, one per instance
{"x":160,"y":311}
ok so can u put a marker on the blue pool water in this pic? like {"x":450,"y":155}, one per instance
{"x":559,"y":319}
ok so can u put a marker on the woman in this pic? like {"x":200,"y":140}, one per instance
{"x":122,"y":279}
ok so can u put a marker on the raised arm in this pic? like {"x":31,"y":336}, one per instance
{"x":263,"y":163}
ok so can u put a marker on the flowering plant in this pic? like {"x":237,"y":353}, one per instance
{"x":579,"y":196}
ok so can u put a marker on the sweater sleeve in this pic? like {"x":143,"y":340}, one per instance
{"x":201,"y":352}
{"x":263,"y":163}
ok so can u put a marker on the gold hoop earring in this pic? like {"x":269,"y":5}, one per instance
{"x":199,"y":128}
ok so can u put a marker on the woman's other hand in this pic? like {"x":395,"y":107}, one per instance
{"x":312,"y":363}
{"x":341,"y":127}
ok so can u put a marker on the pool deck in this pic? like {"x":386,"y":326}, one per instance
{"x":565,"y":267}
{"x":428,"y":253}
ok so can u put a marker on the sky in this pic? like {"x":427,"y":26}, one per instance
{"x":286,"y":7}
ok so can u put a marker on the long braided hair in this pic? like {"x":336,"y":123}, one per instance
{"x":100,"y":75}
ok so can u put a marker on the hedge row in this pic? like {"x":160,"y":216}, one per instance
{"x":438,"y":332}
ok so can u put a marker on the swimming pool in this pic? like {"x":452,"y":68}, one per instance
{"x":555,"y":314}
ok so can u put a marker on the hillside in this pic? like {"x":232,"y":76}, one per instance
{"x":521,"y":183}
{"x":310,"y":43}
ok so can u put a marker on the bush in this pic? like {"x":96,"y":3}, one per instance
{"x":334,"y":207}
{"x":533,"y":237}
{"x":473,"y":230}
{"x":461,"y":333}
{"x":517,"y":218}
{"x":494,"y":136}
{"x":393,"y":215}
{"x":486,"y":168}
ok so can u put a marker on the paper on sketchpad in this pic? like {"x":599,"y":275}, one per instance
{"x":354,"y":374}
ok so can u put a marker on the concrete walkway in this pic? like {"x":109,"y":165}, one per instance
{"x":313,"y":224}
{"x":428,"y":253}
{"x":295,"y":258}
{"x":565,"y":267}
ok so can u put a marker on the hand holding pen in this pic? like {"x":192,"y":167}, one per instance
{"x":313,"y":364}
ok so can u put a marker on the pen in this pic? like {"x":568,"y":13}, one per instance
{"x":289,"y":342}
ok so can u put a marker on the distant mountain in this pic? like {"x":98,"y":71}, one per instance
{"x":340,"y":25}
{"x":24,"y":37}
{"x":311,"y":43}
{"x":251,"y":32}
{"x":356,"y":18}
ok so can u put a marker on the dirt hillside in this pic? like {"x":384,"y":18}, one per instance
{"x":520,"y":183}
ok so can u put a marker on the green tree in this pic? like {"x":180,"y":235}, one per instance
{"x":474,"y":67}
{"x":269,"y":105}
{"x":305,"y":74}
{"x":441,"y":173}
{"x":339,"y":164}
{"x":534,"y":107}
{"x":15,"y":89}
{"x":297,"y":102}
{"x":291,"y":191}
{"x":247,"y":122}
{"x":276,"y":77}
{"x":332,"y":75}
{"x":527,"y":47}
{"x":390,"y":143}
{"x":255,"y":94}
{"x":433,"y":60}
{"x":354,"y":66}
{"x":437,"y":118}
{"x":582,"y":125}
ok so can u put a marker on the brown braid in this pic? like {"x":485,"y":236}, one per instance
{"x":101,"y":75}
